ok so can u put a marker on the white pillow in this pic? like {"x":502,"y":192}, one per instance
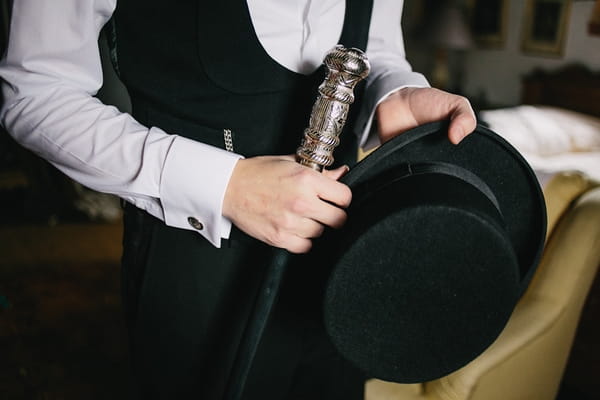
{"x":544,"y":130}
{"x":582,"y":129}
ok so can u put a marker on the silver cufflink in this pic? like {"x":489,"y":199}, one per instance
{"x":195,"y":223}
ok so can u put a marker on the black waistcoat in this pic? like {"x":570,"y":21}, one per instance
{"x":196,"y":68}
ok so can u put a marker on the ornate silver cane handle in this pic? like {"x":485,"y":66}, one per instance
{"x":345,"y":68}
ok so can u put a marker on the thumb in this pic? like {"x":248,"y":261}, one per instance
{"x":462,"y":122}
{"x":337,"y":173}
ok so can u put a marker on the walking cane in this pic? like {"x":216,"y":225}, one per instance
{"x":345,"y":68}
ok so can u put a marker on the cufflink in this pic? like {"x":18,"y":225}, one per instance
{"x":195,"y":223}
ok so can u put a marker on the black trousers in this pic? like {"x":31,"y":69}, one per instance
{"x":187,"y":303}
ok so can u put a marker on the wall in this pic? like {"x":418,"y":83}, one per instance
{"x":497,"y":73}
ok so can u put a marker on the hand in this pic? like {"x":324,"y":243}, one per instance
{"x":283,"y":203}
{"x":411,"y":107}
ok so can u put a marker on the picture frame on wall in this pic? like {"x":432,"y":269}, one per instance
{"x":594,"y":22}
{"x":545,"y":24}
{"x":488,"y":21}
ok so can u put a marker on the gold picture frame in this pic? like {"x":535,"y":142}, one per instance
{"x":545,"y":24}
{"x":488,"y":20}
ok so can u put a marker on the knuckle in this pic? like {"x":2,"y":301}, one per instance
{"x":348,"y":195}
{"x":460,"y":99}
{"x":345,"y":196}
{"x":298,"y":206}
{"x":287,"y":223}
{"x":304,"y":175}
{"x":318,"y":232}
{"x":283,"y":222}
{"x":302,"y":246}
{"x":276,"y":238}
{"x":463,"y":102}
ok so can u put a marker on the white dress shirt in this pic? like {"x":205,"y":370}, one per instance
{"x":52,"y":70}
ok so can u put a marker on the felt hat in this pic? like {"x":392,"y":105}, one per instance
{"x":441,"y":241}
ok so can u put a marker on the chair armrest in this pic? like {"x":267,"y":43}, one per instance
{"x":528,"y":359}
{"x":560,"y":192}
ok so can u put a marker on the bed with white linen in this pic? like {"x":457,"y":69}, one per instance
{"x":557,"y":128}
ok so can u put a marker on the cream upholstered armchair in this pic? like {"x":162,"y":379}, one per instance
{"x":527,"y":361}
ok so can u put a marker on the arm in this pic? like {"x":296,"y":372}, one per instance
{"x":51,"y":72}
{"x":397,"y":97}
{"x":49,"y":75}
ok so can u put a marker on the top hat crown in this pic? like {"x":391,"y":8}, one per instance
{"x":441,"y":241}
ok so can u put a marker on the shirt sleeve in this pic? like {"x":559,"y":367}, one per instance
{"x":50,"y":73}
{"x":390,"y":70}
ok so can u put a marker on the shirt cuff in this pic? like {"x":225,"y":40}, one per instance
{"x":193,"y":183}
{"x":377,"y":90}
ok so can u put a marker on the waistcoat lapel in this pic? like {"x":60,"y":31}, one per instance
{"x":231,"y":53}
{"x":232,"y":56}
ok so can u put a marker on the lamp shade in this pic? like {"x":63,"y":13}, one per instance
{"x":449,"y":28}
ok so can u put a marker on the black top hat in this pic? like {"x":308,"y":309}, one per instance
{"x":440,"y":242}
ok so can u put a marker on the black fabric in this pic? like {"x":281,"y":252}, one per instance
{"x":190,"y":312}
{"x":195,"y":68}
{"x":200,"y":63}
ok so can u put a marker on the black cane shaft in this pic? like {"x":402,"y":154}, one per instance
{"x":265,"y":300}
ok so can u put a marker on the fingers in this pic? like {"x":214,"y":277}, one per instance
{"x":296,"y":242}
{"x":309,"y":229}
{"x":285,"y":204}
{"x":325,"y":199}
{"x":298,"y":245}
{"x":410,"y":107}
{"x":337,"y":173}
{"x":297,"y":234}
{"x":330,"y":215}
{"x":334,"y":192}
{"x":462,"y":120}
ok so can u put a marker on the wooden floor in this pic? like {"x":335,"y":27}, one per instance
{"x":62,"y":335}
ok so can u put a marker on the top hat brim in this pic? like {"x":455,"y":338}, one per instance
{"x":397,"y":320}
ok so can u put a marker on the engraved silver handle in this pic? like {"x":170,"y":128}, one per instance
{"x":345,"y":68}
